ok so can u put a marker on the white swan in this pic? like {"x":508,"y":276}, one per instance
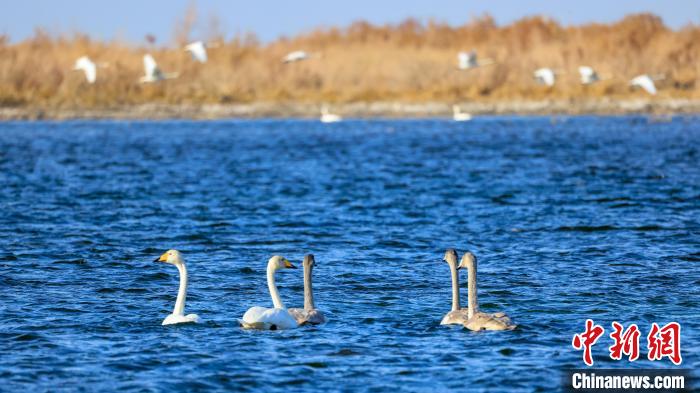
{"x":276,"y":318}
{"x":457,"y":316}
{"x":588,"y":75}
{"x":469,"y":60}
{"x":309,"y":314}
{"x":479,"y":320}
{"x":152,"y":73}
{"x":297,"y":55}
{"x":646,"y":82}
{"x":545,"y":76}
{"x":88,"y":67}
{"x":174,"y":257}
{"x":327,"y":117}
{"x":198,"y":50}
{"x":458,"y":115}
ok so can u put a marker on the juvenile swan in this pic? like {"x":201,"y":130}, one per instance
{"x":271,"y":318}
{"x":309,"y":314}
{"x":457,"y":316}
{"x":174,"y":257}
{"x":479,"y":320}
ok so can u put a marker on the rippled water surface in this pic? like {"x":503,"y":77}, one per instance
{"x":579,"y":218}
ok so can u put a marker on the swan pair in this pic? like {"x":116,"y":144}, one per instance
{"x":279,"y":317}
{"x":275,"y":318}
{"x":470,"y":317}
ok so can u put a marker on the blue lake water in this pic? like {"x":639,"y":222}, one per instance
{"x":571,"y":219}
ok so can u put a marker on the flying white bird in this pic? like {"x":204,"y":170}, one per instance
{"x":588,"y":75}
{"x":198,"y":50}
{"x":646,"y":82}
{"x":88,"y":67}
{"x":469,"y":60}
{"x":295,"y":56}
{"x":458,"y":115}
{"x":545,"y":76}
{"x":327,"y":117}
{"x":152,"y":72}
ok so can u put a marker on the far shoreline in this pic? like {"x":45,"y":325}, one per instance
{"x":357,"y":110}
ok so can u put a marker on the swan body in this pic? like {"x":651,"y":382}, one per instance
{"x":152,"y":73}
{"x":327,"y":117}
{"x":480,"y":320}
{"x":646,"y":82}
{"x":174,"y":257}
{"x":588,"y":75}
{"x":268,"y":319}
{"x":295,"y":56}
{"x":469,"y":60}
{"x":278,"y":317}
{"x":456,"y":316}
{"x":458,"y":115}
{"x":198,"y":50}
{"x":309,"y":314}
{"x":88,"y":67}
{"x":545,"y":76}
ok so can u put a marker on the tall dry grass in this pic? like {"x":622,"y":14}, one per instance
{"x":410,"y":62}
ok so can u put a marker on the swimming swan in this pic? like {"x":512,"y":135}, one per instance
{"x":457,"y":316}
{"x":309,"y":314}
{"x":174,"y":257}
{"x":327,"y":117}
{"x":271,"y":318}
{"x":479,"y":320}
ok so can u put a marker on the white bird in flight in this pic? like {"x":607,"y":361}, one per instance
{"x":198,"y":50}
{"x":469,"y":60}
{"x":295,"y":56}
{"x":88,"y":67}
{"x":646,"y":82}
{"x":588,"y":75}
{"x":152,"y":72}
{"x":545,"y":76}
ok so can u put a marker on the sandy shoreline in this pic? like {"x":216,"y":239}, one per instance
{"x":356,"y":110}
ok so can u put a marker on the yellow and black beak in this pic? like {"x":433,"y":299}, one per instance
{"x":289,"y":265}
{"x":162,"y":258}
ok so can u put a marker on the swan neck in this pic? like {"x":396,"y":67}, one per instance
{"x":471,"y":289}
{"x":182,"y":291}
{"x":308,"y":289}
{"x":272,"y":286}
{"x":455,"y":287}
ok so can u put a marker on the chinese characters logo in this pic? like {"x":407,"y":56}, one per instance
{"x":662,"y":342}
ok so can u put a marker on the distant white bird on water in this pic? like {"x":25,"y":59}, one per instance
{"x":88,"y":67}
{"x":295,"y":56}
{"x":588,"y":75}
{"x":469,"y":60}
{"x":646,"y":82}
{"x":545,"y":76}
{"x":152,"y":72}
{"x":458,"y":115}
{"x":327,"y":117}
{"x":198,"y":50}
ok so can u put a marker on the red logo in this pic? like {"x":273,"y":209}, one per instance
{"x":625,"y":343}
{"x":662,"y":342}
{"x":587,"y":339}
{"x":665,"y":342}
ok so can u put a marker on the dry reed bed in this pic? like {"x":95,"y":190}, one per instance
{"x":409,"y":62}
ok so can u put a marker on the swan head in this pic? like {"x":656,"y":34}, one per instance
{"x":309,"y":261}
{"x":468,"y":259}
{"x":277,"y":262}
{"x":450,"y":256}
{"x":171,"y":256}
